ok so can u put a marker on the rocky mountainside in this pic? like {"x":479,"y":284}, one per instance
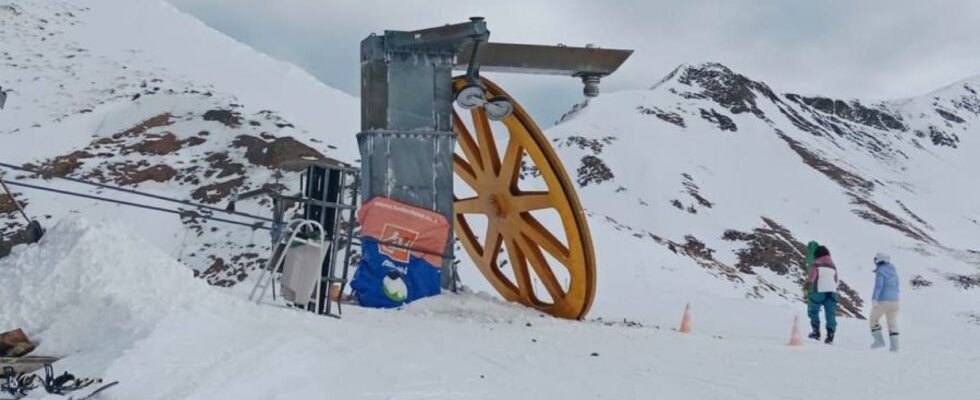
{"x":734,"y":177}
{"x":179,"y":111}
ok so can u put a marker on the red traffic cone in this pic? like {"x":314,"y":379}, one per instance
{"x":686,"y":321}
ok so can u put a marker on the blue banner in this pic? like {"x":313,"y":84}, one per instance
{"x":383,"y":282}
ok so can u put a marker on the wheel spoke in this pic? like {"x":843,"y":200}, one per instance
{"x":492,"y":243}
{"x":470,"y":205}
{"x":466,"y":142}
{"x":530,"y":201}
{"x":484,"y":137}
{"x":540,"y":235}
{"x":464,"y":232}
{"x":499,"y":281}
{"x":511,"y":165}
{"x":541,"y":268}
{"x":465,"y":171}
{"x":521,"y":275}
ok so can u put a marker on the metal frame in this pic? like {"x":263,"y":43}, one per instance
{"x":275,"y":264}
{"x":326,"y":214}
{"x":329,"y":212}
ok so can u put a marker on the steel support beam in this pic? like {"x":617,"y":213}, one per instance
{"x":545,"y":60}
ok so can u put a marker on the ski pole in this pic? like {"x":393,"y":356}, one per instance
{"x":12,"y":199}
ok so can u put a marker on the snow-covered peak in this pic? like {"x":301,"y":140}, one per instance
{"x":88,"y":55}
{"x":137,"y":93}
{"x":735,"y":178}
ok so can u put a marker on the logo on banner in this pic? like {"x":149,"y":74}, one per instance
{"x":401,"y":238}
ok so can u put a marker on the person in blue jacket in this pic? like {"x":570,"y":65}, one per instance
{"x":884,"y":302}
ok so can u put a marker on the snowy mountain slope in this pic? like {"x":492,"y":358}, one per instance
{"x":159,"y":102}
{"x":708,"y":171}
{"x":730,"y":177}
{"x":89,"y":291}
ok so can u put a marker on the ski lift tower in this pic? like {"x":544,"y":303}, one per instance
{"x":410,"y":132}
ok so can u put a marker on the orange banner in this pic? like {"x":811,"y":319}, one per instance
{"x":407,"y":227}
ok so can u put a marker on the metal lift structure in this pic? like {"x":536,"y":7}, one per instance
{"x":414,"y":140}
{"x":327,"y":191}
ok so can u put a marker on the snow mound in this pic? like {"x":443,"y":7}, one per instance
{"x":481,"y":307}
{"x":88,"y":282}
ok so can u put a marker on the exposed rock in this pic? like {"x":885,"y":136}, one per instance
{"x":919,"y":282}
{"x":273,"y":154}
{"x":527,"y":169}
{"x":771,"y":247}
{"x":131,"y":175}
{"x":697,"y":251}
{"x":194,"y":141}
{"x":950,"y":116}
{"x":150,"y":123}
{"x":593,"y":145}
{"x":879,"y":117}
{"x":577,"y":108}
{"x":593,"y":170}
{"x":940,"y":138}
{"x":913,"y":215}
{"x":872,"y":212}
{"x":965,"y":282}
{"x":846,"y":179}
{"x":669,"y":117}
{"x":216,"y":192}
{"x":156,"y":145}
{"x":7,"y":205}
{"x":222,"y":166}
{"x":733,"y":91}
{"x":720,"y":120}
{"x":697,"y":248}
{"x":229,"y":118}
{"x":63,"y":165}
{"x":694,"y":191}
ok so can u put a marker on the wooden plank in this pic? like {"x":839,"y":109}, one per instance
{"x":26,"y":364}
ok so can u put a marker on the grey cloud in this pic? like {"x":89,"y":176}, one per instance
{"x":844,"y":48}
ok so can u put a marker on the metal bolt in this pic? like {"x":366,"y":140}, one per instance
{"x":591,"y":83}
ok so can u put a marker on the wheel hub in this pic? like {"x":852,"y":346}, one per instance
{"x":499,"y":206}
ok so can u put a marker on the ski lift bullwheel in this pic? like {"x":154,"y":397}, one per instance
{"x":511,"y":224}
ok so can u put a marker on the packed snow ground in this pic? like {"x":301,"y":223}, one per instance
{"x":115,"y":306}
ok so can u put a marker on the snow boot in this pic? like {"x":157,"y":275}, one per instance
{"x":815,"y":334}
{"x":893,"y":342}
{"x":878,"y":337}
{"x":830,"y":337}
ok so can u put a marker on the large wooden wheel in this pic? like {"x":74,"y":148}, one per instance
{"x":512,"y":226}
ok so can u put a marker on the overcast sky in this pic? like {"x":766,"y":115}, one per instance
{"x":842,"y":48}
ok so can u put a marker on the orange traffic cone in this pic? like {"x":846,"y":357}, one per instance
{"x":794,"y":336}
{"x":335,"y":292}
{"x":686,"y":321}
